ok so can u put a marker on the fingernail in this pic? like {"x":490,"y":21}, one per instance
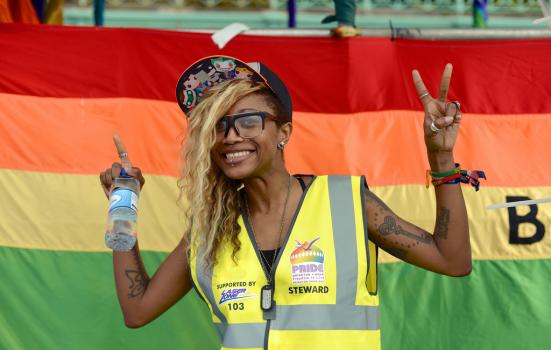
{"x":448,"y":120}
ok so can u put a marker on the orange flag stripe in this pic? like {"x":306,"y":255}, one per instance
{"x":71,"y":135}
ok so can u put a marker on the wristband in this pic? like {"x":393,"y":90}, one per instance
{"x":455,"y":176}
{"x":455,"y":170}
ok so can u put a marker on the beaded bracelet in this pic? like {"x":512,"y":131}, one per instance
{"x":455,"y":176}
{"x":432,"y":176}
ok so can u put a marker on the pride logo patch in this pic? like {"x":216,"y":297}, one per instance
{"x":307,"y":263}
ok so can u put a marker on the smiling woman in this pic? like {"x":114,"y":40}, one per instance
{"x":216,"y":128}
{"x":252,"y":121}
{"x":285,"y":261}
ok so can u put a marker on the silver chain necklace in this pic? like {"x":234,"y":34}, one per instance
{"x":266,"y":298}
{"x":282,"y":224}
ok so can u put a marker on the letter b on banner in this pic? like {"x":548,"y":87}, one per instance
{"x":516,"y":220}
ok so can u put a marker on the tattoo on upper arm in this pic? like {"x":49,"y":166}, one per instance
{"x":389,"y":226}
{"x":442,"y":221}
{"x":397,"y":252}
{"x":371,"y":197}
{"x":138,"y":278}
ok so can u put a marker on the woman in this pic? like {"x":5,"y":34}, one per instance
{"x":283,"y":261}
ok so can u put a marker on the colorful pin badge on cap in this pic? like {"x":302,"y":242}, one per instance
{"x":198,"y":78}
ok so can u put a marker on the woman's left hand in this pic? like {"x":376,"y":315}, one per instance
{"x":442,"y":118}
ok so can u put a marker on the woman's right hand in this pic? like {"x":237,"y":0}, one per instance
{"x":107,"y":177}
{"x":143,"y":299}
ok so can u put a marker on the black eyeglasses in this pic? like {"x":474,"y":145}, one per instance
{"x":247,"y":125}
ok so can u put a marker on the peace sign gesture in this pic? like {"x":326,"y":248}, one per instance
{"x":108,"y":176}
{"x":442,"y":118}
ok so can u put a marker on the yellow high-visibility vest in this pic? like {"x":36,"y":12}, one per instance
{"x":325,"y":278}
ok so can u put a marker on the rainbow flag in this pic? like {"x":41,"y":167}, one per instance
{"x":64,"y":90}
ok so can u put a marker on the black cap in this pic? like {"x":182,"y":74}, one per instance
{"x":212,"y":70}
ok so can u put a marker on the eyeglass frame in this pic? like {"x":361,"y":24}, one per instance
{"x":230,"y":121}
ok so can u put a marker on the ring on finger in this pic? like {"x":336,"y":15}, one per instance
{"x":457,"y":107}
{"x":434,"y":128}
{"x":426,"y":93}
{"x":123,"y":155}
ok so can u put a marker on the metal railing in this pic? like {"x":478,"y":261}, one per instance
{"x":505,"y":7}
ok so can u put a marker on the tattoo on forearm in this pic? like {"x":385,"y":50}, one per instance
{"x":442,"y":221}
{"x":391,"y":227}
{"x":137,"y":283}
{"x":138,"y":278}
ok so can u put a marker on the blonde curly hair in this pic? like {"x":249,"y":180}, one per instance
{"x":212,"y":218}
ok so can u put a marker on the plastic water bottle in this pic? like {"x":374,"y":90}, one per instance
{"x":123,"y":214}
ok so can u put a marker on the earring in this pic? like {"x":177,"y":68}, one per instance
{"x":280,"y":145}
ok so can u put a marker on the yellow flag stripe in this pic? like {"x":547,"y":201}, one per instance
{"x":489,"y":228}
{"x":68,"y":212}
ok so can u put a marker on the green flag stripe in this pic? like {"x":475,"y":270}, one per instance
{"x":503,"y":304}
{"x":66,"y":300}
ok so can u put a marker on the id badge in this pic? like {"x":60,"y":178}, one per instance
{"x":267,"y":297}
{"x":267,"y":302}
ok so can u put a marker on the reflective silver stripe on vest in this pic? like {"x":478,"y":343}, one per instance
{"x":236,"y":335}
{"x":344,"y":315}
{"x":204,"y":278}
{"x":242,"y":335}
{"x":344,"y":236}
{"x":326,"y":317}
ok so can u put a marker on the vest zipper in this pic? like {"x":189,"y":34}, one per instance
{"x":246,"y":221}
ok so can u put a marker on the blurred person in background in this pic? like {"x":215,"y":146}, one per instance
{"x":345,"y":16}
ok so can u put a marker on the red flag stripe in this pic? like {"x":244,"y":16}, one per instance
{"x":324,"y":75}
